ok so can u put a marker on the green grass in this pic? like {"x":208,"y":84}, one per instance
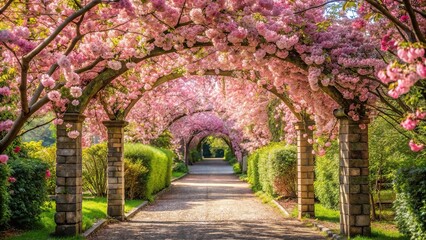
{"x":379,"y":230}
{"x":94,"y":209}
{"x":177,"y":174}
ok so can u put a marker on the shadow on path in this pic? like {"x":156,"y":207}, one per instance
{"x":209,"y":203}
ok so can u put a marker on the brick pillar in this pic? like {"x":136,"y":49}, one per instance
{"x":115,"y":168}
{"x":305,"y":171}
{"x":354,"y":191}
{"x":68,"y":181}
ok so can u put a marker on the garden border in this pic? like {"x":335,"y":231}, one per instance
{"x":318,"y":226}
{"x":103,"y":222}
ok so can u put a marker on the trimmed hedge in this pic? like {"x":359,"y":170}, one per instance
{"x":4,"y":195}
{"x":326,"y":185}
{"x":28,"y":193}
{"x":410,"y":203}
{"x":158,"y":165}
{"x":272,"y":169}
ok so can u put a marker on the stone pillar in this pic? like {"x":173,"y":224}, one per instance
{"x":115,"y":172}
{"x":68,"y":182}
{"x":305,"y":171}
{"x":354,"y":190}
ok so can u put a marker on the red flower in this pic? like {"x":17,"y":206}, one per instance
{"x":17,"y":149}
{"x":11,"y":179}
{"x":48,"y":174}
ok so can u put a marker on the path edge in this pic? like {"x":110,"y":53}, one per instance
{"x":101,"y":223}
{"x":330,"y":234}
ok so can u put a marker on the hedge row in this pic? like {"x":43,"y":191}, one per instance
{"x":410,"y":203}
{"x":148,"y":171}
{"x":272,"y":169}
{"x":22,"y":191}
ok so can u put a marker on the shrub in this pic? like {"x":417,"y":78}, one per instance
{"x":326,"y":183}
{"x":253,"y":171}
{"x":95,"y":165}
{"x":4,"y":195}
{"x":158,"y":163}
{"x":236,"y":167}
{"x":410,"y":204}
{"x":283,"y":163}
{"x":180,"y":166}
{"x":28,"y":192}
{"x":46,"y":154}
{"x":194,"y":156}
{"x":272,"y":169}
{"x":134,"y":173}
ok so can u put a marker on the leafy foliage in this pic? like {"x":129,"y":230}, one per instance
{"x":4,"y":195}
{"x":272,"y":169}
{"x":410,"y":204}
{"x":194,"y":156}
{"x":28,"y":192}
{"x":46,"y":154}
{"x":326,"y":183}
{"x":151,"y":169}
{"x":95,"y":165}
{"x":163,"y":141}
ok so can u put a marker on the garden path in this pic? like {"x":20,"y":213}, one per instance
{"x":209,"y":203}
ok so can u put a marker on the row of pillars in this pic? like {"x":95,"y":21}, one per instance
{"x":354,"y":191}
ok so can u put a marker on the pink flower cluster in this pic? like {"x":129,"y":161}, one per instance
{"x":5,"y":91}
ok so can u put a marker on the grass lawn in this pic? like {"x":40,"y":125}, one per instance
{"x":177,"y":174}
{"x":93,"y":210}
{"x":379,"y":230}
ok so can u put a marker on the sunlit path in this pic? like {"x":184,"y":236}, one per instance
{"x":209,"y":203}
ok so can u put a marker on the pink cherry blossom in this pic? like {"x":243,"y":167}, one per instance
{"x":75,"y":92}
{"x":73,"y":134}
{"x":415,"y":147}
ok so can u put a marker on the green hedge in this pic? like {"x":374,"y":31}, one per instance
{"x":95,"y":164}
{"x":410,"y":203}
{"x":326,"y":183}
{"x":253,"y":171}
{"x":28,"y":193}
{"x":158,"y":165}
{"x":194,"y":156}
{"x":4,"y":195}
{"x":272,"y":169}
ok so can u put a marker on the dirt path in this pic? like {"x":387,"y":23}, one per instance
{"x":208,"y":205}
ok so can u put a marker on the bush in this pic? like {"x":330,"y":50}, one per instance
{"x":158,"y":164}
{"x":253,"y":171}
{"x":134,"y":173}
{"x":326,"y":183}
{"x":410,"y":203}
{"x":46,"y":154}
{"x":4,"y":195}
{"x":180,"y":166}
{"x":194,"y":156}
{"x":237,"y":168}
{"x":95,"y":163}
{"x":28,"y":192}
{"x":272,"y":169}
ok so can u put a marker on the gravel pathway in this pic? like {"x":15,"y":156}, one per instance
{"x":208,"y":205}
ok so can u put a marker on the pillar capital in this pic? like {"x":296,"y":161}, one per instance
{"x":115,"y":123}
{"x":73,"y":117}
